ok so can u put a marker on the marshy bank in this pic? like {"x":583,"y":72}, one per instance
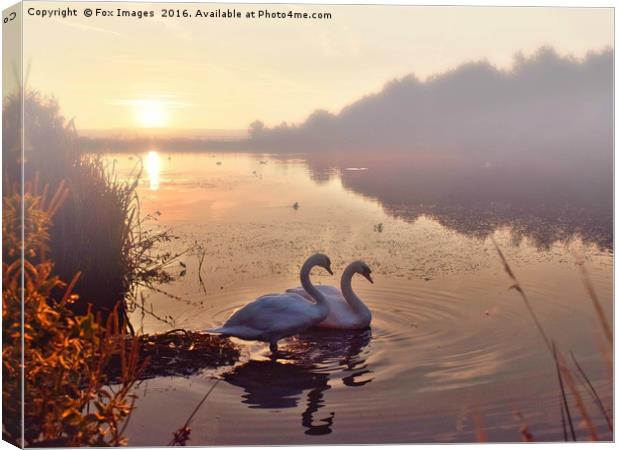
{"x":79,"y":369}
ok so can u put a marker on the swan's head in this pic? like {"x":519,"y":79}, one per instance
{"x":362,"y":268}
{"x":323,"y":261}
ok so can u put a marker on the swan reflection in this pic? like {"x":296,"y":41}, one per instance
{"x":311,"y":363}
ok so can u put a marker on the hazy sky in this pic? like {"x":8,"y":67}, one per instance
{"x":225,"y":73}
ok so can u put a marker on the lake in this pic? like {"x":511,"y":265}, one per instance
{"x":451,"y":350}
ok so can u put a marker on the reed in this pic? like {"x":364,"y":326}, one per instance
{"x":517,"y":287}
{"x":181,"y":436}
{"x":566,"y":415}
{"x":97,"y":229}
{"x":479,"y":428}
{"x":592,"y":392}
{"x":595,"y":302}
{"x":526,"y":436}
{"x":564,"y":373}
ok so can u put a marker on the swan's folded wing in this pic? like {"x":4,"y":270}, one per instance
{"x":275,"y":311}
{"x":290,"y":313}
{"x":299,"y":291}
{"x":331,"y":291}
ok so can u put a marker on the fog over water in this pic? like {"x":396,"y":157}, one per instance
{"x":548,"y":109}
{"x":477,"y":147}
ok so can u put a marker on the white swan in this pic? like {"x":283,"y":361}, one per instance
{"x":273,"y":316}
{"x":346,"y":310}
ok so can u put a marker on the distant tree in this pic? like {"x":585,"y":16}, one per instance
{"x":257,"y":129}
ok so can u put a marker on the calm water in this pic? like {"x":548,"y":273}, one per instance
{"x":449,"y":341}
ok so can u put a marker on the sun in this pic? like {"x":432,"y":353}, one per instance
{"x":151,"y":113}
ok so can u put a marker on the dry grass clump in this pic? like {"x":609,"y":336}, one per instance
{"x":183,"y":353}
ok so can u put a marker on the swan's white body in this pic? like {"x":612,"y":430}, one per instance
{"x":274,"y":316}
{"x":346,"y":309}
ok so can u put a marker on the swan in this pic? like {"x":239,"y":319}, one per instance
{"x":273,"y":316}
{"x":346,"y":310}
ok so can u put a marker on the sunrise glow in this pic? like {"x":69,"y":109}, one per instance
{"x":150,"y":114}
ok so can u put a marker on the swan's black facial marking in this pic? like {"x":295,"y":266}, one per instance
{"x":366,"y":273}
{"x":328,"y":265}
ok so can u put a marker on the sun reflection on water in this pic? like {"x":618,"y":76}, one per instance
{"x":153,"y":167}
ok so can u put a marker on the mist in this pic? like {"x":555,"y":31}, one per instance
{"x":547,"y":107}
{"x":531,"y":146}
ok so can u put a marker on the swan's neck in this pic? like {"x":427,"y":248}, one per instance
{"x":352,"y":299}
{"x":304,"y":276}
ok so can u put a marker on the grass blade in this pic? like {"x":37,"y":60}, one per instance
{"x":183,"y":433}
{"x":570,"y":382}
{"x":597,"y":304}
{"x":563,"y":392}
{"x":517,"y":286}
{"x":563,"y":421}
{"x":593,"y":392}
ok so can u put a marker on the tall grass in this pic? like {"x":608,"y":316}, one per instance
{"x":567,"y":380}
{"x":98,"y":230}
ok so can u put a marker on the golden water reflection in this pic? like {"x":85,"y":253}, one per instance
{"x":153,"y":167}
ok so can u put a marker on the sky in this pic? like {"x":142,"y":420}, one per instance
{"x":179,"y":73}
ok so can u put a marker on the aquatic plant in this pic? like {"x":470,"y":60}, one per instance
{"x":181,"y":352}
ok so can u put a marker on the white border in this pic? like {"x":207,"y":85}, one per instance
{"x":565,"y":3}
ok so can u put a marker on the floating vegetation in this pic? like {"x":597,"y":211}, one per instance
{"x":378,"y":227}
{"x":182,"y":353}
